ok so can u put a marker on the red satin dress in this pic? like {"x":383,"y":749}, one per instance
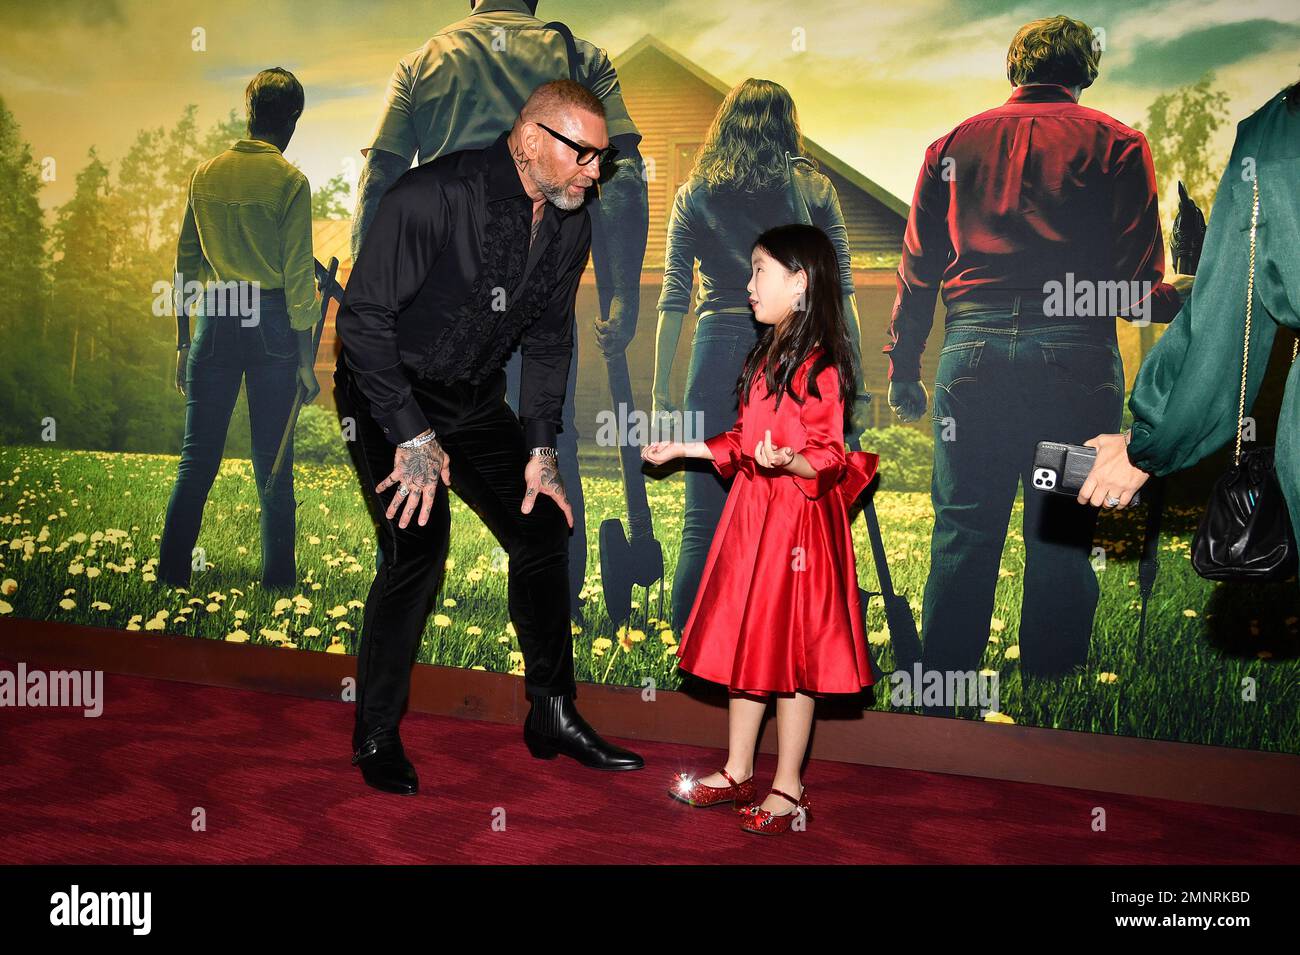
{"x":777,"y":609}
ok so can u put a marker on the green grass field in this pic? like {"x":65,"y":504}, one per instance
{"x":79,"y":538}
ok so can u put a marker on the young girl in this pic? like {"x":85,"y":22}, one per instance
{"x":777,"y":611}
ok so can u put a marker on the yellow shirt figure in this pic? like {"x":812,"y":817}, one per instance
{"x":248,"y":218}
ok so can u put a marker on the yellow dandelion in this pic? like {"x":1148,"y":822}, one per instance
{"x":1189,"y":613}
{"x":993,"y":716}
{"x":474,"y":631}
{"x":1013,"y":652}
{"x":68,"y":604}
{"x":6,"y":607}
{"x":1107,"y":677}
{"x":9,"y":587}
{"x":237,"y":636}
{"x":997,"y":625}
{"x":441,"y":620}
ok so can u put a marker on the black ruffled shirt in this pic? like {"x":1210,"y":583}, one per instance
{"x":445,"y":287}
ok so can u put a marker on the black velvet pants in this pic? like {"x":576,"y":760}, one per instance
{"x":485,"y":443}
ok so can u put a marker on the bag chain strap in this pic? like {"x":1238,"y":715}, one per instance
{"x":1250,"y":300}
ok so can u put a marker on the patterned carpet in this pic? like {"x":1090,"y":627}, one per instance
{"x":272,"y":778}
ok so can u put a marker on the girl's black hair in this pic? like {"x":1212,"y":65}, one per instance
{"x":1293,"y":97}
{"x":820,"y":322}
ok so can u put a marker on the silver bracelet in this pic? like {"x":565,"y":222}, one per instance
{"x":542,"y":453}
{"x":418,"y":442}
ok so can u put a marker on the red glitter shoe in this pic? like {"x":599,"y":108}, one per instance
{"x":765,"y":822}
{"x":693,"y":792}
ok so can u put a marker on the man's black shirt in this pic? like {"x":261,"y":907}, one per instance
{"x":445,"y":287}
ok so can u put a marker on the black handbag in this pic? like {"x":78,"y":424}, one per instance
{"x":1245,"y":532}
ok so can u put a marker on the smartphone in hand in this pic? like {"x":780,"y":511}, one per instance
{"x":1062,"y":468}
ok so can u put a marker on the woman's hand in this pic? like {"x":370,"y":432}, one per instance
{"x":766,"y":454}
{"x":182,"y":358}
{"x":1112,"y":478}
{"x":661,"y":452}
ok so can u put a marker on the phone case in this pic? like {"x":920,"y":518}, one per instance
{"x":1062,"y":468}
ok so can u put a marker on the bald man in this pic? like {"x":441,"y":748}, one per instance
{"x":469,"y":256}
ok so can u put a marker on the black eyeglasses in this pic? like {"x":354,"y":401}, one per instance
{"x":585,"y":153}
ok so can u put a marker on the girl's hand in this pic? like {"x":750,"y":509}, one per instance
{"x":661,"y":452}
{"x":769,"y":456}
{"x":1112,"y":477}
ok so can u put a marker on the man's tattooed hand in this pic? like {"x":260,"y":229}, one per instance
{"x":542,"y":476}
{"x":416,"y":473}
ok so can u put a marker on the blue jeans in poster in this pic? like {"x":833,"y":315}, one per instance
{"x":225,"y":353}
{"x":718,"y":350}
{"x":1006,"y":381}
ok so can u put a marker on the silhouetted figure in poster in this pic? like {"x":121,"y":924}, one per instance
{"x":247,"y":229}
{"x":742,"y":184}
{"x":1026,"y":215}
{"x":458,"y":91}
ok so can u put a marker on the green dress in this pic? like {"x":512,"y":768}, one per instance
{"x":1184,"y":401}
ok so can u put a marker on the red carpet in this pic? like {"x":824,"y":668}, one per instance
{"x":272,"y":774}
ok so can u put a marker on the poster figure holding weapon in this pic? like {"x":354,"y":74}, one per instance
{"x":1015,"y":367}
{"x":488,"y":63}
{"x":330,"y":290}
{"x":247,"y":224}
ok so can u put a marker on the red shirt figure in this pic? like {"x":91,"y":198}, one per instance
{"x":777,"y":609}
{"x":1023,"y":195}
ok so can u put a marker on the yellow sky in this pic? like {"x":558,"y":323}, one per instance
{"x":875,"y":84}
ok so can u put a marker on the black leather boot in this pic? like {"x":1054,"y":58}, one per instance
{"x":384,"y":764}
{"x":554,"y":725}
